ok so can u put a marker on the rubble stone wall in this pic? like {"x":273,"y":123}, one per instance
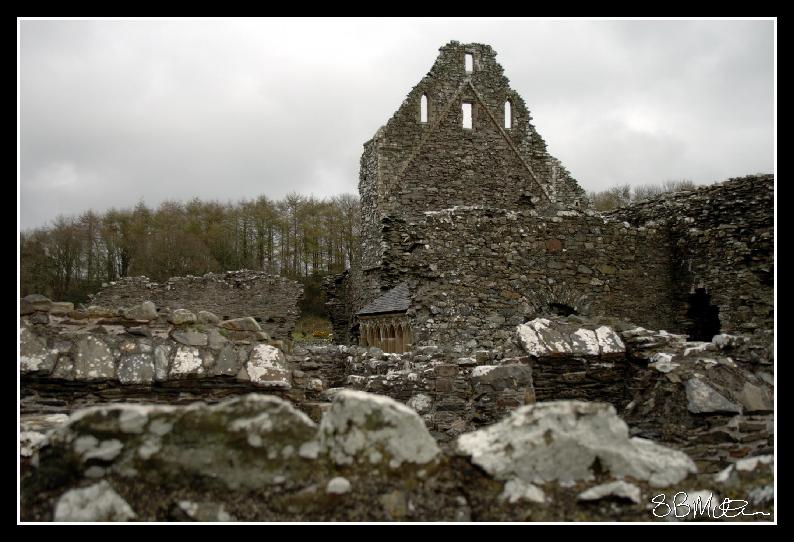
{"x":476,"y":273}
{"x":436,"y":164}
{"x":339,"y":304}
{"x":721,"y":239}
{"x":272,"y":300}
{"x":257,"y":458}
{"x":410,"y":166}
{"x":70,"y":358}
{"x":712,"y":399}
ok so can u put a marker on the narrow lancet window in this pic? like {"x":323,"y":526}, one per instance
{"x":508,"y":115}
{"x":469,"y":62}
{"x":423,"y":108}
{"x":467,"y":115}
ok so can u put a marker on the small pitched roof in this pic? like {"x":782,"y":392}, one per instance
{"x":398,"y":299}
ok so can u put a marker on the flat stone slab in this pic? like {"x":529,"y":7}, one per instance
{"x":545,"y":338}
{"x":561,"y":440}
{"x":703,"y":399}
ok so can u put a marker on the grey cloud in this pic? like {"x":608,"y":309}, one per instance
{"x":117,"y":111}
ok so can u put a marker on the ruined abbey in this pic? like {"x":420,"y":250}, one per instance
{"x":470,"y":227}
{"x":504,"y":352}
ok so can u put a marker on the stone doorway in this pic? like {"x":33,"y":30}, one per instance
{"x":561,"y":309}
{"x":702,"y":317}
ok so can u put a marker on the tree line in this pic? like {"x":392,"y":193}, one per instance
{"x":624,"y":194}
{"x":304,"y":238}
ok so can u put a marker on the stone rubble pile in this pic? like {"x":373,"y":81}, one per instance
{"x":258,"y":458}
{"x":713,"y":401}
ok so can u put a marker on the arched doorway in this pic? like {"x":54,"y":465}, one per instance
{"x":561,"y":309}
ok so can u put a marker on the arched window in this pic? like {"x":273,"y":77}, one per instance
{"x":469,"y":62}
{"x":508,"y":114}
{"x":423,"y":108}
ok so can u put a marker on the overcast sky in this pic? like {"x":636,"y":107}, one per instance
{"x":114,"y":112}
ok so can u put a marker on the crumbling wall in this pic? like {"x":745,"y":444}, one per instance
{"x":450,"y":165}
{"x":272,"y":300}
{"x":476,"y":273}
{"x":70,"y":358}
{"x":438,"y":163}
{"x":713,"y":399}
{"x":721,"y":240}
{"x":369,"y":192}
{"x":257,"y":458}
{"x":489,"y":230}
{"x":410,"y":166}
{"x":346,"y":293}
{"x":339,"y":305}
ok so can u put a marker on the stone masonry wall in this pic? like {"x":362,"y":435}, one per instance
{"x":722,"y":239}
{"x":272,"y":300}
{"x":369,"y":192}
{"x":437,"y":164}
{"x":409,"y":167}
{"x":339,"y":304}
{"x":70,"y":358}
{"x":476,"y":273}
{"x":257,"y":458}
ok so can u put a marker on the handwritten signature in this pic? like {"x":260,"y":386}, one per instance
{"x":682,"y":506}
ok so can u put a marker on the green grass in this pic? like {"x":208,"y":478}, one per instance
{"x":311,"y":329}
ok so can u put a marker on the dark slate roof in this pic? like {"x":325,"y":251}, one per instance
{"x":397,"y":299}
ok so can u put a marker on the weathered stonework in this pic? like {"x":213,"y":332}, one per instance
{"x":80,"y":359}
{"x":721,"y":241}
{"x":475,"y":273}
{"x":410,"y":167}
{"x":444,"y":419}
{"x":514,"y":354}
{"x":272,"y":300}
{"x":257,"y":458}
{"x":488,"y":230}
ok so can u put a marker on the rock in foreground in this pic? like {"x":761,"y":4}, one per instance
{"x":257,"y":458}
{"x":568,"y":441}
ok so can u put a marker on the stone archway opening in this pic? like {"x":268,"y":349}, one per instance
{"x":389,"y":332}
{"x":702,"y":317}
{"x":561,"y":309}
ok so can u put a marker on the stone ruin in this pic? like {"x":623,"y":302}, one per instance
{"x":507,"y":353}
{"x":271,"y":300}
{"x":478,"y":229}
{"x":136,"y":415}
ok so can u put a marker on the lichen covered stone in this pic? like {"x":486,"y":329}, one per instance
{"x":267,"y":367}
{"x":564,"y":441}
{"x":365,"y":428}
{"x":98,"y":502}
